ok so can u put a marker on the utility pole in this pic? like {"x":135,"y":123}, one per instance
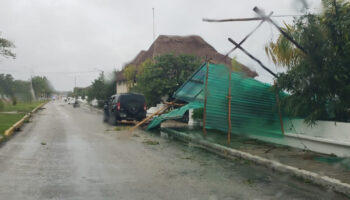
{"x":31,"y":85}
{"x":154,"y":35}
{"x":31,"y":88}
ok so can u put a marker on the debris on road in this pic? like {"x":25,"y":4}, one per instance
{"x":120,"y":128}
{"x":150,"y":142}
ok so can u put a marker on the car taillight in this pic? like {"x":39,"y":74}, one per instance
{"x":118,"y":106}
{"x":144,"y":107}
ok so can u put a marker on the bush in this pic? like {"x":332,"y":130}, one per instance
{"x":198,"y":113}
{"x":14,"y":101}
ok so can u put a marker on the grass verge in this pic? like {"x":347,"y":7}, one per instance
{"x":22,"y":106}
{"x":8,"y":119}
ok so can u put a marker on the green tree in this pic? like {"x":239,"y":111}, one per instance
{"x":282,"y":52}
{"x":79,"y":91}
{"x":319,"y":80}
{"x":21,"y":90}
{"x":164,"y":75}
{"x":42,"y":87}
{"x":101,"y":89}
{"x":6,"y":81}
{"x":130,"y":73}
{"x":5,"y":48}
{"x":96,"y":89}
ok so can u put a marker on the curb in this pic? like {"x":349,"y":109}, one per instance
{"x":325,"y":181}
{"x":19,"y":123}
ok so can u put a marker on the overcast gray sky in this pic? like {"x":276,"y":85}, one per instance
{"x":63,"y":39}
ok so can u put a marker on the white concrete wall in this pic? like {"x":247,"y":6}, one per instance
{"x":122,"y":87}
{"x":338,"y":131}
{"x":325,"y":137}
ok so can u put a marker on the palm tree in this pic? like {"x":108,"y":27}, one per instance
{"x":282,"y":52}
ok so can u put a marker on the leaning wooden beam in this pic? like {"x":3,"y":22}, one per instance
{"x":244,"y":19}
{"x":246,"y":37}
{"x":262,"y":15}
{"x":160,"y":111}
{"x":174,"y":104}
{"x":252,"y":57}
{"x":233,"y":20}
{"x":279,"y":109}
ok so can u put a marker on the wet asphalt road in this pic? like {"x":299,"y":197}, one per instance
{"x":68,"y":153}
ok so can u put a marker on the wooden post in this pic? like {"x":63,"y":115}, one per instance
{"x":279,"y":110}
{"x":252,"y":57}
{"x":205,"y":100}
{"x":229,"y":107}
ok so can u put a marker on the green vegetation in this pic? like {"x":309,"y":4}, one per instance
{"x":5,"y":48}
{"x":82,"y":92}
{"x":318,"y":80}
{"x":7,"y":119}
{"x":42,"y":87}
{"x":198,"y":113}
{"x":101,"y":89}
{"x":21,"y":106}
{"x":164,"y":75}
{"x":130,"y":73}
{"x":21,"y":90}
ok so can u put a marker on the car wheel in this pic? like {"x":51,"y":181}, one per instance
{"x":105,"y":118}
{"x":116,"y":122}
{"x":110,"y":120}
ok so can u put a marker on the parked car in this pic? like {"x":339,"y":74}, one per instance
{"x":126,"y":106}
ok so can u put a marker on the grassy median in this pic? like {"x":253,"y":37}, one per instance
{"x":10,"y":114}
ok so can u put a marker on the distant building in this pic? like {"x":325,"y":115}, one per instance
{"x":194,"y":45}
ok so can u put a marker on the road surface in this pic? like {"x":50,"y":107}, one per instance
{"x":68,"y":153}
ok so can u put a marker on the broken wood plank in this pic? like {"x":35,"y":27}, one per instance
{"x":252,"y":57}
{"x":160,"y":111}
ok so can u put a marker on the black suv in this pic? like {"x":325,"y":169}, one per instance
{"x":126,"y":106}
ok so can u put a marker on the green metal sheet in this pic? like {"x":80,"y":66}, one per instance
{"x":253,"y":104}
{"x":174,"y":114}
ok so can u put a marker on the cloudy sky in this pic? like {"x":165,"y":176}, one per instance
{"x":64,"y":39}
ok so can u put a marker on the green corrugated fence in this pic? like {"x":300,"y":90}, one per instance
{"x":253,"y":103}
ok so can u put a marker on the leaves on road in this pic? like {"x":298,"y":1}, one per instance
{"x":150,"y":142}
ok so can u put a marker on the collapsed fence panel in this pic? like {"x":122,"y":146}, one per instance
{"x":253,"y":107}
{"x":174,"y":114}
{"x":192,"y":89}
{"x":253,"y":104}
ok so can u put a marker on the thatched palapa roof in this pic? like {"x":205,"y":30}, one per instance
{"x":193,"y":45}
